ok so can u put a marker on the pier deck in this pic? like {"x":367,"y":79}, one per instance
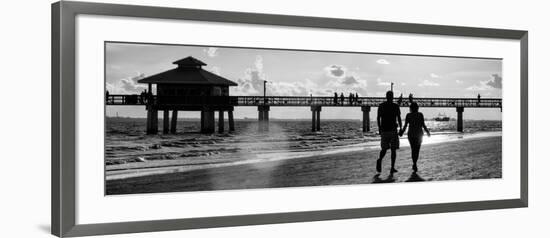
{"x":209,"y":104}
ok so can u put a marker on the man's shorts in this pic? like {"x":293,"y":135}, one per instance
{"x":389,"y":140}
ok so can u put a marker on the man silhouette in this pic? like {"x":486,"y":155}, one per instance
{"x":389,"y":116}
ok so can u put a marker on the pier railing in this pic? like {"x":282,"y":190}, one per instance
{"x":296,"y":101}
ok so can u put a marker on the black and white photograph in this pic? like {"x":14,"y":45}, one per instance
{"x":183,"y":118}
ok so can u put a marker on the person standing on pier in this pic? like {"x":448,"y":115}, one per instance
{"x":388,"y":118}
{"x":350,"y":98}
{"x":400,"y":100}
{"x":415,"y":121}
{"x":478,"y":99}
{"x":342,"y":98}
{"x":356,"y":98}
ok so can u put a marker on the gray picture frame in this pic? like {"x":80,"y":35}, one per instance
{"x":63,"y":117}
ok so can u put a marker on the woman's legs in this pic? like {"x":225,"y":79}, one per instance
{"x":415,"y":143}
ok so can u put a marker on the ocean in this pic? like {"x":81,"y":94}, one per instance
{"x":128,"y":148}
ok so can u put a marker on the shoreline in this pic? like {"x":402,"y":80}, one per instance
{"x":438,"y":161}
{"x":125,"y":173}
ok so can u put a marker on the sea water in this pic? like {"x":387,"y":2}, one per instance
{"x":130,"y":152}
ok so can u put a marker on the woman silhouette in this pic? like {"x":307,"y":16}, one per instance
{"x":415,"y":121}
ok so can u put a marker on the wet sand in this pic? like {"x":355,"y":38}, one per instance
{"x":475,"y":158}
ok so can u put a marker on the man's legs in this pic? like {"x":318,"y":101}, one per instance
{"x":379,"y":161}
{"x":393,"y":157}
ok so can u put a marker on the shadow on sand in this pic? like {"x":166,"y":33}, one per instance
{"x":377,"y":179}
{"x":415,"y":178}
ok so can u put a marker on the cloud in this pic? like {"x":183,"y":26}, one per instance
{"x":479,"y":87}
{"x":379,"y":82}
{"x":428,"y":83}
{"x":336,"y":79}
{"x":335,"y":71}
{"x":347,"y":84}
{"x":432,"y":75}
{"x":211,"y":52}
{"x":382,"y":61}
{"x":496,"y":81}
{"x":252,"y":83}
{"x":215,"y":69}
{"x":459,"y":81}
{"x":259,"y":63}
{"x":127,"y":85}
{"x":349,"y":80}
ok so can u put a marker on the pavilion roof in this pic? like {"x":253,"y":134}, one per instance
{"x":189,"y":71}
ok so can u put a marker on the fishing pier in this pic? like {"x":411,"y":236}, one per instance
{"x":190,"y":88}
{"x":208,"y":105}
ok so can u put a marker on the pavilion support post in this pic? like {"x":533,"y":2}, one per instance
{"x":154,"y":121}
{"x":174,"y":123}
{"x":231,"y":122}
{"x":208,"y":121}
{"x":149,"y":126}
{"x":459,"y":120}
{"x":166,"y":122}
{"x":220,"y":121}
{"x":366,"y":118}
{"x":203,"y":118}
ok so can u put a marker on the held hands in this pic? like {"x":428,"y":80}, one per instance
{"x":428,"y":132}
{"x":401,"y":131}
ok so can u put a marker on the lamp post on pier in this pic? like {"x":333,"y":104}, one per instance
{"x":265,"y":82}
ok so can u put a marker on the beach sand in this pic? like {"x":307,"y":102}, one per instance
{"x":474,"y":158}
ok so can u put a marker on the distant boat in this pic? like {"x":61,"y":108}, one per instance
{"x":442,"y":117}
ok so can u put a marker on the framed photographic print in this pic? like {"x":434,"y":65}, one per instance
{"x":166,"y":118}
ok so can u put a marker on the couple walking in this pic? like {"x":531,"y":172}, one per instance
{"x":388,"y":118}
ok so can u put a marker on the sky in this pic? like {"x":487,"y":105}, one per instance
{"x":304,"y":73}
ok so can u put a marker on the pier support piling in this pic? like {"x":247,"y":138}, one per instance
{"x":318,"y":123}
{"x":263,"y":117}
{"x":174,"y":121}
{"x":366,"y":118}
{"x":231,"y":122}
{"x":315,"y":118}
{"x":459,"y":120}
{"x":260,"y":115}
